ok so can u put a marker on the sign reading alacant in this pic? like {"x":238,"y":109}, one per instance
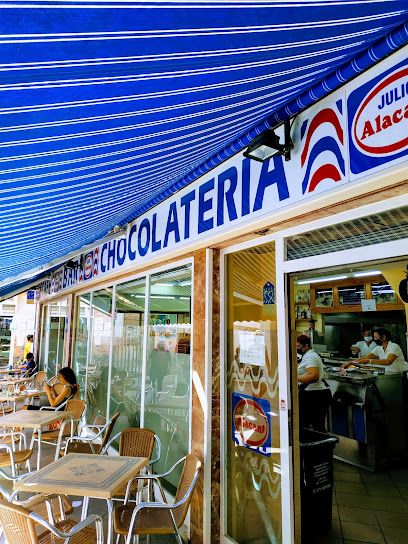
{"x":251,"y":423}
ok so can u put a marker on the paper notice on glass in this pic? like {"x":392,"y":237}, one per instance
{"x":252,"y":348}
{"x":107,"y":326}
{"x":98,"y":324}
{"x":368,"y":305}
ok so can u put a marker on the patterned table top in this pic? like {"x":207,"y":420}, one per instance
{"x":31,"y":419}
{"x":85,"y":475}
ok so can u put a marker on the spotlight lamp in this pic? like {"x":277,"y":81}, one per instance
{"x":266,"y":145}
{"x":71,"y":265}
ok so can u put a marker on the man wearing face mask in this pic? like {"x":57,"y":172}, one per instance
{"x":314,"y":394}
{"x":385,"y":353}
{"x":365,"y":346}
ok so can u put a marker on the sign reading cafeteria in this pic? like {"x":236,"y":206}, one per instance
{"x":251,"y":424}
{"x":356,"y":131}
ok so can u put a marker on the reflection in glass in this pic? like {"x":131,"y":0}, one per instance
{"x":253,"y":481}
{"x":127,"y":354}
{"x":53,"y":337}
{"x":167,"y":391}
{"x":383,"y":293}
{"x":98,"y":368}
{"x":102,"y":335}
{"x":81,"y":340}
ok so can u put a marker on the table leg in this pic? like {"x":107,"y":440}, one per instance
{"x":85,"y":505}
{"x":39,"y":436}
{"x":109,"y":504}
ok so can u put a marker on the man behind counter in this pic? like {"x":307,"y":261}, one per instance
{"x":365,"y":346}
{"x":385,"y":353}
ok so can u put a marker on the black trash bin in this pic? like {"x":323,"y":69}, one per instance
{"x":316,"y":482}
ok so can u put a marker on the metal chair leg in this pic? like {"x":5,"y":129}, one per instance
{"x":178,"y":537}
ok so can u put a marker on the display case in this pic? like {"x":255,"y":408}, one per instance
{"x":349,"y":295}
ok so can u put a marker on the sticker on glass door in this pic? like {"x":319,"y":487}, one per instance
{"x":251,"y":426}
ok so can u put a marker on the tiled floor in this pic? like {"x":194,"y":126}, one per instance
{"x":368,"y":507}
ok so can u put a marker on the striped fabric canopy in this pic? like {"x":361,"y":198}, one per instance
{"x":108,"y":107}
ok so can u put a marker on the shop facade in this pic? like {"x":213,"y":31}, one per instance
{"x":190,"y":315}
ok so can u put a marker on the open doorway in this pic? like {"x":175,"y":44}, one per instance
{"x":342,"y":310}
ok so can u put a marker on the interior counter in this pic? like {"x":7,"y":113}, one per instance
{"x":368,"y":415}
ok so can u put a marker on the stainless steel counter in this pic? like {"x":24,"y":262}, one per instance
{"x":368,"y":416}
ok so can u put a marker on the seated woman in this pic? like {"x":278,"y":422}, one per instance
{"x":67,"y":378}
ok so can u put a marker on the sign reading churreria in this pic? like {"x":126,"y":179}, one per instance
{"x":356,"y":131}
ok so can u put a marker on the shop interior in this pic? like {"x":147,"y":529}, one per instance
{"x":368,"y":413}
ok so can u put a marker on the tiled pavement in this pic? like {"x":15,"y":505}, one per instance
{"x":368,"y":507}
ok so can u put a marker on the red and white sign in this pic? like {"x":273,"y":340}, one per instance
{"x":251,"y":422}
{"x":88,"y":265}
{"x":380,"y":126}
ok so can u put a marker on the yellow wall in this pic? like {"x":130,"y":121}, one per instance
{"x":394,"y":273}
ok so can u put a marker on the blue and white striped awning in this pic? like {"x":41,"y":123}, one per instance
{"x":108,"y":107}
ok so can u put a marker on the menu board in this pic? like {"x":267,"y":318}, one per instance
{"x":351,"y":295}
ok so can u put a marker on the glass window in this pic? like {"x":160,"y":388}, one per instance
{"x":253,"y":481}
{"x":127,"y":353}
{"x":55,"y":324}
{"x":383,"y":293}
{"x":351,"y":295}
{"x":111,"y":346}
{"x":81,"y":340}
{"x":44,"y":337}
{"x":98,"y":369}
{"x":167,"y":390}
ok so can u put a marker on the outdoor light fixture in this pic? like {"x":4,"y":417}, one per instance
{"x":71,"y":265}
{"x":267,"y":145}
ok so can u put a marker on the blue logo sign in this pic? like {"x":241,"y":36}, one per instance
{"x":269,"y":293}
